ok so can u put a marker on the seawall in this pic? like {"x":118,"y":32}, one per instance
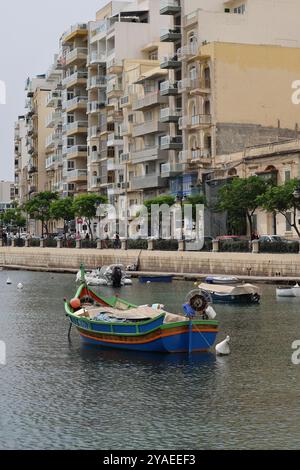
{"x":69,"y":260}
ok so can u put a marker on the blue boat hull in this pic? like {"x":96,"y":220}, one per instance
{"x":145,"y":279}
{"x":244,"y":299}
{"x":180,"y":343}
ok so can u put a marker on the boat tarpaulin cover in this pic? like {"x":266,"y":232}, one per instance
{"x":230,"y":290}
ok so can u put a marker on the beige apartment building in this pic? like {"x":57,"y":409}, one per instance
{"x":7,"y":194}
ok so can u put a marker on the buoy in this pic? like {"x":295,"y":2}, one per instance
{"x":148,"y":282}
{"x":223,"y":348}
{"x":20,"y":286}
{"x":8,"y":282}
{"x":75,"y":304}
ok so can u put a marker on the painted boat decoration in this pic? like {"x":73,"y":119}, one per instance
{"x":162,"y":278}
{"x":116,"y":323}
{"x":288,"y":291}
{"x":234,"y":294}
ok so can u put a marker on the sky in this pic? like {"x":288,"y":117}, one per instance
{"x":29,"y":37}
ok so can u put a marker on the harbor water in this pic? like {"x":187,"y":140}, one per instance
{"x":61,"y":395}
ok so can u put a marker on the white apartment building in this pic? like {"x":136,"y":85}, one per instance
{"x":7,"y":194}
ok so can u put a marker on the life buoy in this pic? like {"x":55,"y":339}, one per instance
{"x":199,"y":300}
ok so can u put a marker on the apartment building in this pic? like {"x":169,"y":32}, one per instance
{"x":53,"y":122}
{"x":7,"y":194}
{"x":236,"y":80}
{"x":73,"y":57}
{"x":21,"y":160}
{"x":125,"y":36}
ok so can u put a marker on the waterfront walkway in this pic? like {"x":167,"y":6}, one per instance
{"x":189,"y":265}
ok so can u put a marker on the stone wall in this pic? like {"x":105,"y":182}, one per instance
{"x":153,"y":261}
{"x":235,"y":137}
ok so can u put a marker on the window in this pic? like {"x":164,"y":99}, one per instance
{"x":148,"y":116}
{"x":287,"y":175}
{"x":240,"y":10}
{"x":153,"y":55}
{"x":288,"y":227}
{"x":71,"y":165}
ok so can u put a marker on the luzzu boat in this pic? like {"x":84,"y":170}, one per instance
{"x":116,"y":323}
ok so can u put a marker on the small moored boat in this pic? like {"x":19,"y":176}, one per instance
{"x":234,"y":294}
{"x":162,"y":278}
{"x":222,"y":280}
{"x":116,"y":323}
{"x":288,"y":291}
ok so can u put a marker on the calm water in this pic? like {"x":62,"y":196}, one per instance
{"x":60,"y":396}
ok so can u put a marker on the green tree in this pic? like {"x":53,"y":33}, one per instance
{"x":39,"y":208}
{"x":85,"y":205}
{"x":240,"y":198}
{"x":281,"y":200}
{"x":63,"y":209}
{"x":14,"y":218}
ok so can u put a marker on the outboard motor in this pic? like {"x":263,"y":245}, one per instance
{"x":116,"y":277}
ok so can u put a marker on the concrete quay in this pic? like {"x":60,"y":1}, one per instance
{"x":189,"y":265}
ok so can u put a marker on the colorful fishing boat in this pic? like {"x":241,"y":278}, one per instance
{"x":116,"y":323}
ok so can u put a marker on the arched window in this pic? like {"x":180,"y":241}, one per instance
{"x":232,"y":172}
{"x":207,"y":77}
{"x":192,"y":38}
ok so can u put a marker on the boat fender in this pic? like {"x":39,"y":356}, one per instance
{"x":75,"y":304}
{"x":223,"y":349}
{"x":189,"y":311}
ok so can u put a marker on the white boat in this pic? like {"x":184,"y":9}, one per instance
{"x":113,"y":275}
{"x":288,"y":291}
{"x":233,"y":294}
{"x":222,"y":280}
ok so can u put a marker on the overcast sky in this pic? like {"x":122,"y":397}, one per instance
{"x":29,"y":36}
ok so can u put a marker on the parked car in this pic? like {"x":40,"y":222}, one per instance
{"x":230,"y":238}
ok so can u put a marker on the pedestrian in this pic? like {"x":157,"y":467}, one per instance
{"x":117,"y":242}
{"x":4,"y":238}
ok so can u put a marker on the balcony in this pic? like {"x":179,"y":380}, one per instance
{"x":169,"y":88}
{"x":114,"y":140}
{"x":79,"y":29}
{"x":93,"y":132}
{"x":54,"y":140}
{"x":53,"y":161}
{"x":114,"y":189}
{"x":148,"y":128}
{"x":170,"y":34}
{"x":186,"y":52}
{"x":98,"y":81}
{"x":171,"y":143}
{"x":78,"y":127}
{"x":170,"y":7}
{"x":77,"y":176}
{"x":76,"y":151}
{"x":32,"y":169}
{"x":168,"y":115}
{"x":95,"y":157}
{"x":170,"y":62}
{"x":148,"y":181}
{"x":53,"y":99}
{"x":187,"y":84}
{"x":114,"y":89}
{"x":112,"y":165}
{"x":126,"y":128}
{"x":79,"y":102}
{"x":199,"y":121}
{"x":202,"y":87}
{"x":168,"y":170}
{"x":146,"y":155}
{"x":79,"y":54}
{"x":53,"y":119}
{"x":200,"y":155}
{"x":96,"y":58}
{"x":95,"y":106}
{"x":114,"y":115}
{"x":78,"y":78}
{"x":150,"y":99}
{"x":113,"y":66}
